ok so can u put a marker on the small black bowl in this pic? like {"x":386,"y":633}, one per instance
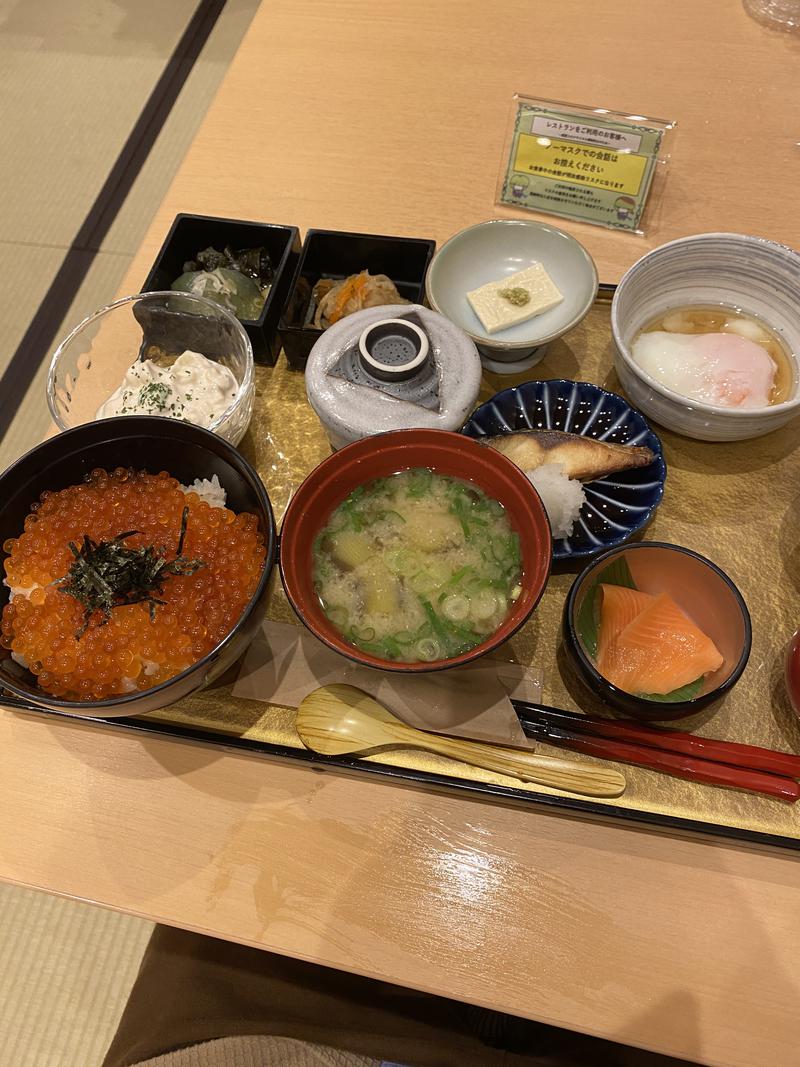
{"x":700,"y":588}
{"x":337,"y":254}
{"x":141,"y":442}
{"x":190,"y":234}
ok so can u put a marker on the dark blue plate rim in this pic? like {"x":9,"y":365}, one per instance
{"x":650,"y":439}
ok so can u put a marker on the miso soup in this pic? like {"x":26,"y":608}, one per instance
{"x":417,"y":566}
{"x":742,"y":363}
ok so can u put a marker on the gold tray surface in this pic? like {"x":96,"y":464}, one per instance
{"x":738,"y":504}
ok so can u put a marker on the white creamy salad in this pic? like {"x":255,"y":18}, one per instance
{"x":194,"y":388}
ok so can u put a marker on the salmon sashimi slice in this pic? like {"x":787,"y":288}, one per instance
{"x":619,"y":606}
{"x":659,"y":651}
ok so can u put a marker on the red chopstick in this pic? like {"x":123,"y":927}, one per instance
{"x":731,"y":752}
{"x":680,"y":766}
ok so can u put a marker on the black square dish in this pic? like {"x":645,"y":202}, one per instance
{"x":189,"y":234}
{"x":336,"y":254}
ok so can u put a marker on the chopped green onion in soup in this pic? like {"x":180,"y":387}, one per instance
{"x":417,"y":566}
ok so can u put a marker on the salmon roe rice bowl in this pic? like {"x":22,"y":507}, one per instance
{"x":124,"y":581}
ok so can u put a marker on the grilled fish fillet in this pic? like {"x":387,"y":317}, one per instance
{"x":583,"y":458}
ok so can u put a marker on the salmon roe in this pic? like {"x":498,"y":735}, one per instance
{"x":130,"y":651}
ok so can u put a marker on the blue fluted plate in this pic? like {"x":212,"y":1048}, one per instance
{"x":616,"y":506}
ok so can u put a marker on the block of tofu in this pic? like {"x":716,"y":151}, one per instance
{"x":527,"y":293}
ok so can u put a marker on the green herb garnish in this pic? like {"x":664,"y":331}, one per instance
{"x":109,"y":574}
{"x":154,"y":395}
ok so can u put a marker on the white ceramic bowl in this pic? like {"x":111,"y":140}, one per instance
{"x":495,"y":249}
{"x":751,"y":274}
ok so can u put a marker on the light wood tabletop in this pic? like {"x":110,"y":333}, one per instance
{"x":390,"y":118}
{"x":386,"y":118}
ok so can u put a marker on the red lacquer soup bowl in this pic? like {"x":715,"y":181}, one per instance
{"x":385,"y":454}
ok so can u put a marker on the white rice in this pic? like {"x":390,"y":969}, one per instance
{"x":149,"y":666}
{"x":20,"y":590}
{"x":208,"y":489}
{"x":562,"y":497}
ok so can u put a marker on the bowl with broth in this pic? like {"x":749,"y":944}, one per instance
{"x":415,"y":550}
{"x":707,"y":336}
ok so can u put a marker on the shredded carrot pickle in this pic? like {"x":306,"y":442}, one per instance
{"x":130,"y":650}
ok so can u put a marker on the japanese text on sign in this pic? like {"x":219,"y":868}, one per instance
{"x":579,"y":165}
{"x":586,"y":163}
{"x":576,"y":131}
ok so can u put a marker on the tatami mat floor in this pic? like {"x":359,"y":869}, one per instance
{"x":104,"y":57}
{"x":65,"y":972}
{"x":73,"y":79}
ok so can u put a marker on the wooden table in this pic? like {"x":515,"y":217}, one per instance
{"x":390,"y":118}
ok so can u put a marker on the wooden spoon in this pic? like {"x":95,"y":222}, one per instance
{"x":336,"y":720}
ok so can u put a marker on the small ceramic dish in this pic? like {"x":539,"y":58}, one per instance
{"x":385,"y":454}
{"x":748,"y":274}
{"x":145,"y":443}
{"x":353,"y":401}
{"x":337,"y":254}
{"x":616,"y":506}
{"x":493,"y":250}
{"x":704,"y":592}
{"x":191,"y":233}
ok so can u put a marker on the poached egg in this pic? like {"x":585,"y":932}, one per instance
{"x":724,"y":369}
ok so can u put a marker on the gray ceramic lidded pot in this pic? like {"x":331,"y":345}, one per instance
{"x":392,"y":368}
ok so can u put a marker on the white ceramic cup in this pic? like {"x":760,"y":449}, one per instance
{"x":751,"y":274}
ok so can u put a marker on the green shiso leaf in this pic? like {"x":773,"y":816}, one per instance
{"x":686,"y":692}
{"x":616,"y":573}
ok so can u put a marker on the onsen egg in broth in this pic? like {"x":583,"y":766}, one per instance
{"x":716,"y":355}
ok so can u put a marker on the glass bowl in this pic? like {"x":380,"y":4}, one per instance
{"x":90,"y":364}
